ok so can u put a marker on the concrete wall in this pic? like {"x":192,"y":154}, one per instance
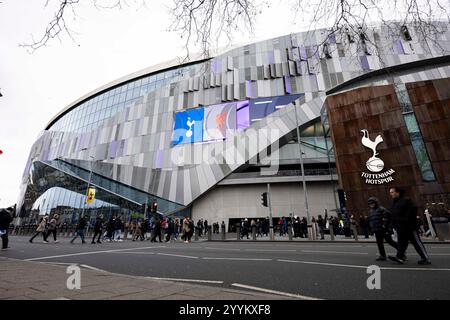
{"x":244,"y":201}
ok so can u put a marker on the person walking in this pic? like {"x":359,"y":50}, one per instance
{"x":404,"y":222}
{"x":379,"y":222}
{"x":98,"y":229}
{"x":322,"y":225}
{"x":41,"y":229}
{"x":157,"y":231}
{"x":80,"y":230}
{"x":186,"y":230}
{"x":5,"y":220}
{"x":51,"y":228}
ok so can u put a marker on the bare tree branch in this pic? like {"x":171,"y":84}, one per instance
{"x":203,"y":23}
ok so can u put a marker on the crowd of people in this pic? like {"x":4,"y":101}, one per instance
{"x":381,"y":222}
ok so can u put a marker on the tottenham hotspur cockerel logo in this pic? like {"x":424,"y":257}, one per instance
{"x":375,"y":164}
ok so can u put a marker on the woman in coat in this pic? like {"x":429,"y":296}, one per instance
{"x":41,"y":229}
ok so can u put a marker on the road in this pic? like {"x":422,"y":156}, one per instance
{"x":310,"y":270}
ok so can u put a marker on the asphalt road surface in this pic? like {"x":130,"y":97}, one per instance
{"x":311,"y":270}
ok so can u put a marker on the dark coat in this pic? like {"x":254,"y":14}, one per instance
{"x":5,"y":219}
{"x":379,"y":218}
{"x":403,"y":214}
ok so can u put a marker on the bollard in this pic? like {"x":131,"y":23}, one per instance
{"x":290,"y":232}
{"x":238,"y":232}
{"x":355,"y":233}
{"x":196,"y":234}
{"x":254,"y":233}
{"x":312,"y":232}
{"x":223,"y":233}
{"x":209,"y":234}
{"x":331,"y":232}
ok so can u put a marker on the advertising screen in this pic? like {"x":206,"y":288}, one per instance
{"x":220,"y":121}
{"x":188,"y":126}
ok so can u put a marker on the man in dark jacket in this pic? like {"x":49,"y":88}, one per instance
{"x":404,"y":222}
{"x":5,"y":220}
{"x":380,"y":224}
{"x":98,"y":228}
{"x":80,"y":230}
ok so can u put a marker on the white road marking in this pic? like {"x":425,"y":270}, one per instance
{"x":177,"y":255}
{"x":280,"y":293}
{"x":236,"y":259}
{"x":142,"y":253}
{"x":92,"y":268}
{"x":88,"y":253}
{"x":363,"y":267}
{"x":186,"y":280}
{"x":340,"y":252}
{"x":224,"y":249}
{"x":269,"y":250}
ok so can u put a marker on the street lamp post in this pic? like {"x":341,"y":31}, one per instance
{"x":89,"y":184}
{"x":301,"y":165}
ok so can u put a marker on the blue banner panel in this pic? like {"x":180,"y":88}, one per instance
{"x":262,"y":107}
{"x":188,"y":126}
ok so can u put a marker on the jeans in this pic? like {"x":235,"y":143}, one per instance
{"x":79,"y":233}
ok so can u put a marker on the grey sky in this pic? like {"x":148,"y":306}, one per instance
{"x":109,"y":44}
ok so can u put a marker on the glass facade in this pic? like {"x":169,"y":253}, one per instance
{"x":91,"y":114}
{"x":60,"y":187}
{"x":420,"y":150}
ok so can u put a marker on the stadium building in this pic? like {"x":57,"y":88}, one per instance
{"x":344,"y":116}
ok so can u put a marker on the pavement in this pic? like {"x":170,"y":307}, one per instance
{"x":25,"y":280}
{"x":233,"y":270}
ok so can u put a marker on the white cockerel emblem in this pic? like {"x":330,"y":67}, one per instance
{"x":190,"y":124}
{"x":374,"y":164}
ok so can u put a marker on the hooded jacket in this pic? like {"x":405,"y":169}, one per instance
{"x":379,"y":217}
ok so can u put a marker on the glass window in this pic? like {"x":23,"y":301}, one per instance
{"x":423,"y":160}
{"x":116,"y":99}
{"x":411,"y":123}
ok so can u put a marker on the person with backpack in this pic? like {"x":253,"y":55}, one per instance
{"x":51,"y":228}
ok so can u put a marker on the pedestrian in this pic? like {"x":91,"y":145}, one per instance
{"x":354,"y":227}
{"x":379,"y":222}
{"x":321,"y":223}
{"x":170,"y":230}
{"x":404,"y":222}
{"x":51,"y":228}
{"x":98,"y":229}
{"x":109,"y":229}
{"x":206,"y":226}
{"x":156,"y":231}
{"x":41,"y":229}
{"x":186,"y":233}
{"x":5,"y":220}
{"x":80,"y":230}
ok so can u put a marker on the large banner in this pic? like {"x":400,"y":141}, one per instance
{"x":220,"y":121}
{"x":188,"y":126}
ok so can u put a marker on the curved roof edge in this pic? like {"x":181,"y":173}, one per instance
{"x":395,"y":71}
{"x":161,"y":67}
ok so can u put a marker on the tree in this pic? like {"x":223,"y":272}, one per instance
{"x":201,"y":22}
